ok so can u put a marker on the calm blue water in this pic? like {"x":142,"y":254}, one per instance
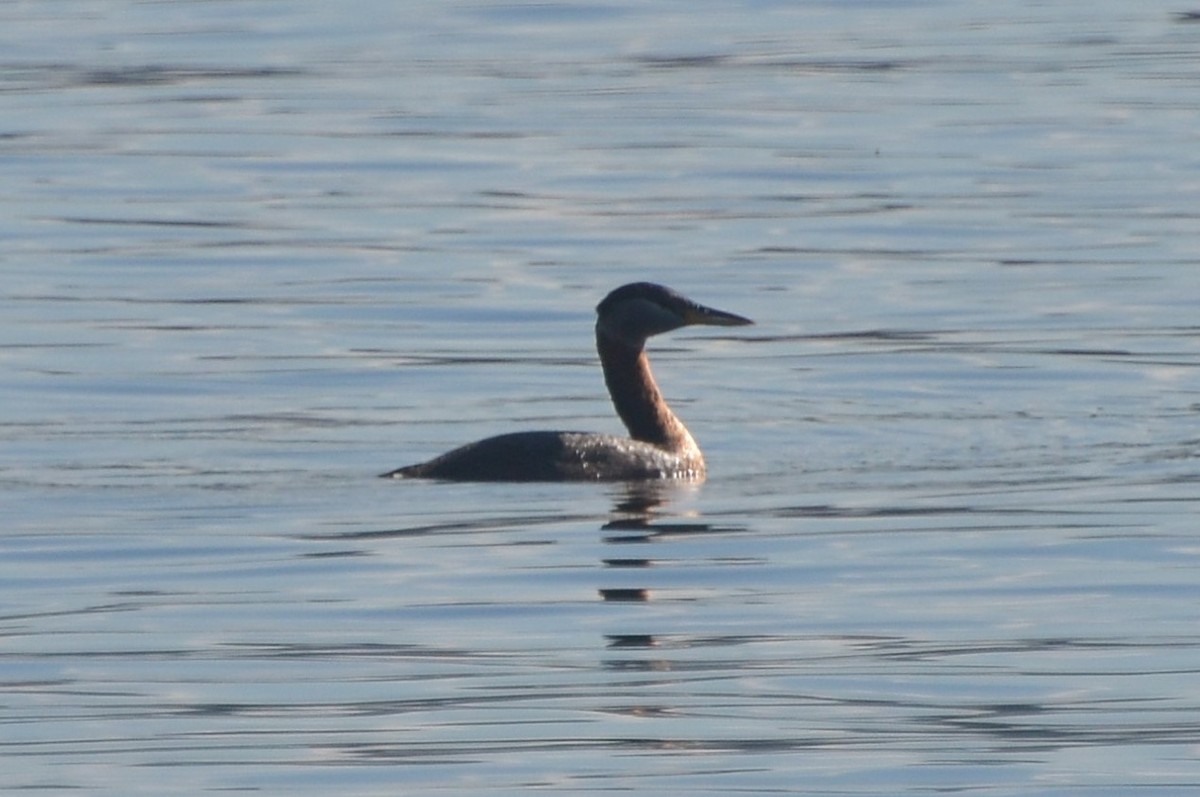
{"x":257,"y":252}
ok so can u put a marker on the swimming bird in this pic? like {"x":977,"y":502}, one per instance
{"x":659,"y":446}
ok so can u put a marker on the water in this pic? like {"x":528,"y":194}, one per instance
{"x":256,"y":253}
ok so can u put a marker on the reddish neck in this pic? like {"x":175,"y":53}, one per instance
{"x":637,"y":398}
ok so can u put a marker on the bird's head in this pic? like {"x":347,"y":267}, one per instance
{"x":639,"y":310}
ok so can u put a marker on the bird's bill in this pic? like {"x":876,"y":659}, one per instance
{"x":709,"y":316}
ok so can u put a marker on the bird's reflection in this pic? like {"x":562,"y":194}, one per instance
{"x":642,"y":513}
{"x":625,"y":594}
{"x":637,"y":517}
{"x":631,"y":641}
{"x":638,"y":655}
{"x":643,"y":499}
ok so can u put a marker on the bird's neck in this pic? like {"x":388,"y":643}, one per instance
{"x":637,"y":399}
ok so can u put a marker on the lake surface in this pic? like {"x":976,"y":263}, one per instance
{"x":256,"y":253}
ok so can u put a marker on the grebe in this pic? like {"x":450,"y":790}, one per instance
{"x":659,"y":445}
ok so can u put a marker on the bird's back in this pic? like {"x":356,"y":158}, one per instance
{"x":557,"y":456}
